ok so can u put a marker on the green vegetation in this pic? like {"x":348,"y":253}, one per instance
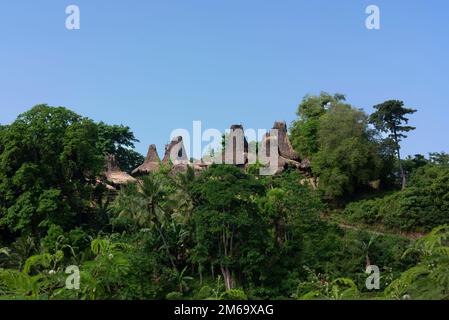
{"x":390,"y":117}
{"x":225,"y":233}
{"x":345,"y":152}
{"x":423,"y":205}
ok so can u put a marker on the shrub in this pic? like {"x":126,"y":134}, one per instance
{"x":234,"y":294}
{"x":174,"y":296}
{"x":420,"y":207}
{"x":204,"y":293}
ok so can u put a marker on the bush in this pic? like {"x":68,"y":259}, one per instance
{"x":174,"y":296}
{"x":74,"y":241}
{"x":204,"y":293}
{"x":366,"y":211}
{"x":421,"y":207}
{"x":234,"y":294}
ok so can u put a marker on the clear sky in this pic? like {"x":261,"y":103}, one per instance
{"x":158,"y":65}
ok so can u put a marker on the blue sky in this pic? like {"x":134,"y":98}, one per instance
{"x":158,"y":65}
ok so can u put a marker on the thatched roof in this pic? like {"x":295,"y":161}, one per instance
{"x":235,"y":151}
{"x":152,"y":155}
{"x":178,"y":168}
{"x":182,"y":167}
{"x":114,"y":175}
{"x":237,"y":154}
{"x":175,"y":152}
{"x":285,"y":152}
{"x":285,"y":147}
{"x":152,"y":162}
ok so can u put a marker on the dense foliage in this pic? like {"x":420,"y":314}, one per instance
{"x":423,"y":205}
{"x":225,"y":233}
{"x":345,"y":152}
{"x":49,"y":163}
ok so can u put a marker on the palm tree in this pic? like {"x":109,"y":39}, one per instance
{"x":144,"y":203}
{"x":182,"y":199}
{"x":183,"y":280}
{"x":19,"y":252}
{"x":428,"y":279}
{"x":366,"y":248}
{"x":4,"y":255}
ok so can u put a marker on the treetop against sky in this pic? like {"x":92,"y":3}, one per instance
{"x":156,"y":66}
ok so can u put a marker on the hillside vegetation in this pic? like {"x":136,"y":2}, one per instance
{"x":227,"y":232}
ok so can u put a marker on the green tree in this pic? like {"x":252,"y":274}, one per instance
{"x":390,"y":117}
{"x":49,"y":163}
{"x":348,"y":156}
{"x":144,"y":203}
{"x":423,"y":205}
{"x":304,"y":130}
{"x":119,"y":141}
{"x":227,"y":224}
{"x":50,"y":159}
{"x":411,"y":164}
{"x":181,"y":199}
{"x":2,"y":144}
{"x":276,"y":207}
{"x":429,"y":278}
{"x":439,"y":158}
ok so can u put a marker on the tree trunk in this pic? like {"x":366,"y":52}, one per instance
{"x":166,"y":248}
{"x":227,"y":276}
{"x":368,"y":261}
{"x":401,"y":167}
{"x":152,"y":209}
{"x":200,"y":272}
{"x":278,"y":231}
{"x":404,"y":180}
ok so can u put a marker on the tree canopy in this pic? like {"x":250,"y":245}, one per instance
{"x":346,"y":153}
{"x":49,"y":162}
{"x":348,"y":157}
{"x":390,"y":117}
{"x":224,"y":232}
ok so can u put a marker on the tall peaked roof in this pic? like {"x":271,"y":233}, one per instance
{"x":175,"y":152}
{"x":152,"y":162}
{"x":236,"y":146}
{"x":285,"y":147}
{"x":152,"y":155}
{"x":114,"y":175}
{"x":285,"y":153}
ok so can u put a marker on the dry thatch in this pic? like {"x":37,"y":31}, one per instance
{"x":236,"y":147}
{"x":235,"y":153}
{"x":175,"y":152}
{"x":151,"y":164}
{"x":285,"y":153}
{"x":197,"y":165}
{"x":114,"y":176}
{"x":285,"y":147}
